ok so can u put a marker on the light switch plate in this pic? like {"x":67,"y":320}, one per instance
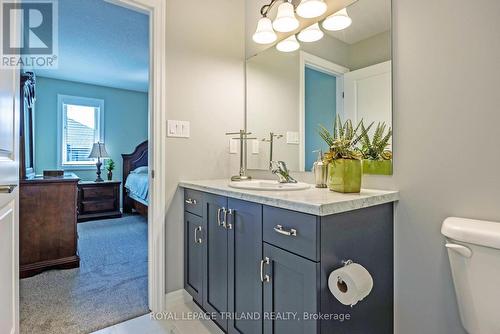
{"x":255,"y":146}
{"x":233,"y":146}
{"x":292,"y":137}
{"x":178,"y":129}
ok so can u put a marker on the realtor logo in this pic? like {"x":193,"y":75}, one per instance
{"x":29,"y":34}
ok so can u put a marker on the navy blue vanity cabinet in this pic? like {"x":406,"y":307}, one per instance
{"x":290,"y":291}
{"x":193,"y":248}
{"x":245,"y":253}
{"x":254,"y":259}
{"x":215,"y":271}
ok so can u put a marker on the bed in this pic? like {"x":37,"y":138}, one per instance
{"x":135,"y":180}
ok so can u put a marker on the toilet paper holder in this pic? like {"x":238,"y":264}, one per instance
{"x":347,"y":262}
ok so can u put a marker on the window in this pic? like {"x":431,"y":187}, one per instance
{"x":80,"y":126}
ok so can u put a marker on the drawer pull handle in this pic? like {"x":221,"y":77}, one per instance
{"x":196,"y":239}
{"x":219,"y":221}
{"x":264,"y":278}
{"x":279,"y":229}
{"x":7,"y":189}
{"x":226,"y":213}
{"x":190,"y":201}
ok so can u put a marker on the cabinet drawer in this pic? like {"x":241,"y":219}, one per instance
{"x":193,"y":202}
{"x":90,"y":193}
{"x":293,"y":231}
{"x":98,"y":206}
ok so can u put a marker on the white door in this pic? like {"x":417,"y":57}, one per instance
{"x":368,"y":94}
{"x":9,"y":198}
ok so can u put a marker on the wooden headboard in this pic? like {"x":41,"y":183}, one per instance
{"x":131,"y":161}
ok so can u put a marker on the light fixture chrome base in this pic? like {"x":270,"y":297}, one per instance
{"x":241,"y":178}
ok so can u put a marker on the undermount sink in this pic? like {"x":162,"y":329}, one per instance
{"x":268,"y":185}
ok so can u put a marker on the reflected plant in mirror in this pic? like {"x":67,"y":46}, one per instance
{"x":346,"y":73}
{"x":377,"y":158}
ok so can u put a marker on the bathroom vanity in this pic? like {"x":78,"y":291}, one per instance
{"x":259,"y":261}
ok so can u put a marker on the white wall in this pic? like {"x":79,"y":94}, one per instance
{"x":446,"y":102}
{"x":205,"y":85}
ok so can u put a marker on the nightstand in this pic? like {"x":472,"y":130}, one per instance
{"x":98,"y":200}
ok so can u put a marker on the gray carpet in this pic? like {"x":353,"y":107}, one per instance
{"x":109,"y":287}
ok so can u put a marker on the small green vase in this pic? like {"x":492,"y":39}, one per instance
{"x":377,"y":167}
{"x":344,"y":176}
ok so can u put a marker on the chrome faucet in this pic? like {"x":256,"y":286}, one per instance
{"x":279,"y":169}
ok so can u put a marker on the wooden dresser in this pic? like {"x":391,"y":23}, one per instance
{"x":47,"y":228}
{"x":98,"y":200}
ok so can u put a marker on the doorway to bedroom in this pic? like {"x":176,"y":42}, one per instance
{"x":84,"y":189}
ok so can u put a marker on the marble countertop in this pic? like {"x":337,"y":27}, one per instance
{"x":319,"y":202}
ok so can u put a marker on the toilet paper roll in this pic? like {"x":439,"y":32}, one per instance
{"x":350,"y":284}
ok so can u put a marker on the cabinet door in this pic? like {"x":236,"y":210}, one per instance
{"x":245,"y":253}
{"x":290,"y":293}
{"x":215,"y":267}
{"x":193,"y":245}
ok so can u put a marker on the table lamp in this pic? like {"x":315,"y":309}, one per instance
{"x":98,"y":151}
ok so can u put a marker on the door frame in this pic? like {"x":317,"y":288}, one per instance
{"x":325,"y":66}
{"x":156,"y":9}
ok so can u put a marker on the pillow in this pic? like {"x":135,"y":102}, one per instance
{"x":140,"y":170}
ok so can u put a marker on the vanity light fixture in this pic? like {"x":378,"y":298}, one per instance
{"x":285,"y":19}
{"x":311,"y":34}
{"x":338,"y":21}
{"x":288,"y":45}
{"x":309,"y":9}
{"x":265,"y":33}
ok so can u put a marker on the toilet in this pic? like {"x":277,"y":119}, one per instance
{"x":474,"y":253}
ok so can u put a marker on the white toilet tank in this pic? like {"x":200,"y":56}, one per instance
{"x":474,"y":253}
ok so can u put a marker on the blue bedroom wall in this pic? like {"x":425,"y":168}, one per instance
{"x":321,"y":108}
{"x":125,"y":122}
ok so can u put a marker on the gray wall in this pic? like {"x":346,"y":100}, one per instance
{"x":447,"y":74}
{"x":205,"y":85}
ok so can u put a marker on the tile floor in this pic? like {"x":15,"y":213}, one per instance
{"x":146,"y":325}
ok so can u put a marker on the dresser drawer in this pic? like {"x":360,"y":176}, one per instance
{"x":98,"y":206}
{"x":293,"y":231}
{"x":90,"y":193}
{"x":193,"y":202}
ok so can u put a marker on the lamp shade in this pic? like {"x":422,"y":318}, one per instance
{"x":98,"y":151}
{"x":285,"y":19}
{"x":338,"y":21}
{"x":264,"y":33}
{"x":311,"y":34}
{"x":288,"y":45}
{"x":309,"y":9}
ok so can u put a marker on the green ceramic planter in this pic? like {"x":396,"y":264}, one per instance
{"x":344,"y":176}
{"x":377,"y":167}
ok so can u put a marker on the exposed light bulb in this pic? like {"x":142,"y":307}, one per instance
{"x":285,"y":19}
{"x":311,"y":34}
{"x":288,"y":45}
{"x":338,"y":21}
{"x":309,"y":9}
{"x":264,"y":33}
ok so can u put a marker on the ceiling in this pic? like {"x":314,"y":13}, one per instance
{"x":102,"y":44}
{"x":369,"y":18}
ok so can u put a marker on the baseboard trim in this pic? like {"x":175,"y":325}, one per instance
{"x":176,"y":297}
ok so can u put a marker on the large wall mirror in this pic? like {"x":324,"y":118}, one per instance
{"x":348,"y":73}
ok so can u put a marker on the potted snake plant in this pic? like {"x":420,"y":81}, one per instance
{"x":110,"y":166}
{"x":343,"y":158}
{"x":377,"y":159}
